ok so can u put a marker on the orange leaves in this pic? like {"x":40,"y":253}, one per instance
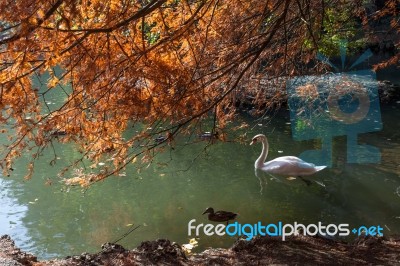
{"x":30,"y":172}
{"x":125,"y":64}
{"x":53,"y":60}
{"x":52,"y":82}
{"x":77,"y":181}
{"x":80,"y":178}
{"x":115,"y":5}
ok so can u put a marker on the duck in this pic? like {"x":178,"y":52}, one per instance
{"x":168,"y":137}
{"x":160,"y":139}
{"x":58,"y":133}
{"x":219,"y":216}
{"x":208,"y":135}
{"x":285,"y":165}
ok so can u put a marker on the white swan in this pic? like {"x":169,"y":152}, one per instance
{"x":286,"y":165}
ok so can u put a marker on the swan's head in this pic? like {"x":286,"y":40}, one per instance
{"x":256,"y":138}
{"x":209,"y":210}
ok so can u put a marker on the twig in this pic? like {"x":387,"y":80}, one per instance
{"x":126,"y":234}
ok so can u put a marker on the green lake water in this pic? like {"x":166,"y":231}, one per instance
{"x":54,"y":221}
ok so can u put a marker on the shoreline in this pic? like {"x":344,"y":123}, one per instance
{"x":258,"y":251}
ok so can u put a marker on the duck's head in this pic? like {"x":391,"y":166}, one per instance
{"x":209,"y":210}
{"x":256,"y":138}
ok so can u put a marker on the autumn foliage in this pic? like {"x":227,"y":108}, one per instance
{"x":161,"y":66}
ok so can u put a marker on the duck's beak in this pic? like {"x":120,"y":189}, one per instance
{"x":204,"y":212}
{"x":252,"y":142}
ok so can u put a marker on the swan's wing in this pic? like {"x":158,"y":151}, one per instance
{"x":289,"y":165}
{"x":295,"y":161}
{"x":274,"y":166}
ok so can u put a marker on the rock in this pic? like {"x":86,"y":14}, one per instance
{"x":112,"y":247}
{"x":9,"y":262}
{"x":11,"y":255}
{"x":162,"y":250}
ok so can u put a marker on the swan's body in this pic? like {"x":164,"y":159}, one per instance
{"x":285,"y":165}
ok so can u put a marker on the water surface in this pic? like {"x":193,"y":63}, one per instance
{"x":50,"y":220}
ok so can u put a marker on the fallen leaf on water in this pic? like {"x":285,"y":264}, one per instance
{"x":193,"y":242}
{"x":187,"y":248}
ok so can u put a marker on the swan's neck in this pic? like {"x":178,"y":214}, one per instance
{"x":260,"y":161}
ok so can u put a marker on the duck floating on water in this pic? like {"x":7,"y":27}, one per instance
{"x":58,"y":133}
{"x":219,"y":216}
{"x":209,"y":135}
{"x":160,"y":139}
{"x":168,"y":137}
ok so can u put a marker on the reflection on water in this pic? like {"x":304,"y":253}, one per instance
{"x":50,"y":220}
{"x":11,"y":212}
